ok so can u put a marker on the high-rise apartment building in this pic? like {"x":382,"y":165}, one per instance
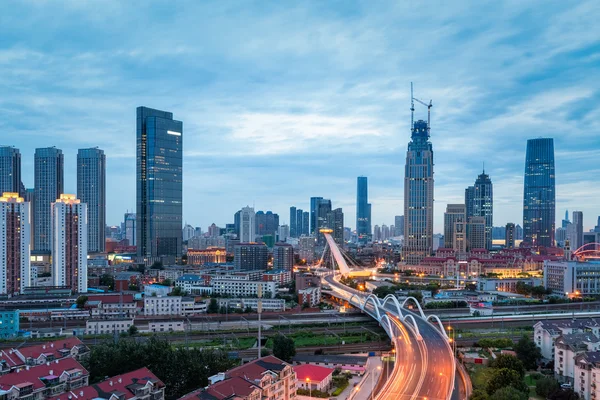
{"x":91,"y":190}
{"x":363,"y":209}
{"x":476,"y":233}
{"x":250,"y":256}
{"x":577,"y":241}
{"x":385,"y":232}
{"x":159,"y":183}
{"x":305,"y":223}
{"x":399,"y":224}
{"x":314,"y":212}
{"x":188,"y":232}
{"x":10,"y":171}
{"x":69,"y":243}
{"x":335,"y":221}
{"x":49,"y":185}
{"x":509,"y":241}
{"x":483,"y":204}
{"x":15,"y":237}
{"x":418,"y":196}
{"x":299,"y":222}
{"x":455,"y":213}
{"x":376,"y":233}
{"x":539,"y":193}
{"x":247,"y":225}
{"x":130,"y":228}
{"x":283,"y":232}
{"x":283,"y":256}
{"x":293,"y":222}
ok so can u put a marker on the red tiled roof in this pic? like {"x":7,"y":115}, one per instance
{"x":112,"y":298}
{"x":233,"y":386}
{"x":49,"y":348}
{"x":34,"y":374}
{"x":254,"y":370}
{"x":12,"y":360}
{"x":314,"y":372}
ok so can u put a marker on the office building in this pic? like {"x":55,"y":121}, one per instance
{"x":188,"y":232}
{"x":91,"y":190}
{"x":250,"y":256}
{"x":376,"y":233}
{"x":293,"y":219}
{"x":597,"y":227}
{"x":476,"y":233}
{"x":323,"y":210}
{"x":469,"y":201}
{"x":214,"y":231}
{"x":577,"y":241}
{"x":459,"y":237}
{"x":130,"y":229}
{"x":454,"y":214}
{"x":519,"y":232}
{"x":15,"y":237}
{"x":566,"y":221}
{"x":363,"y":210}
{"x":335,"y":221}
{"x":243,"y":288}
{"x":305,"y":223}
{"x":283,"y":256}
{"x":385,"y":232}
{"x":247,"y":225}
{"x":307,"y":248}
{"x":509,"y":241}
{"x":314,"y":212}
{"x":572,"y":278}
{"x":48,"y":181}
{"x":10,"y":171}
{"x":159,"y":183}
{"x":283,"y":233}
{"x":69,"y":243}
{"x":539,"y":193}
{"x":299,"y":222}
{"x":399,"y":224}
{"x":482,"y":202}
{"x":418,"y":196}
{"x":560,"y":236}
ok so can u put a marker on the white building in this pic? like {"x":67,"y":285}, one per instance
{"x":310,"y":295}
{"x":267,"y":304}
{"x":15,"y":246}
{"x":157,"y":290}
{"x":166,"y":326}
{"x":130,"y":229}
{"x":188,"y":232}
{"x":107,"y":326}
{"x":546,"y":332}
{"x":567,"y":347}
{"x":569,"y":277}
{"x":247,"y":225}
{"x":239,"y":288}
{"x":69,"y":243}
{"x":587,"y":373}
{"x":283,"y":233}
{"x":189,"y":306}
{"x":162,"y":305}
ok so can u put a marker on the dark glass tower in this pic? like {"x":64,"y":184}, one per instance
{"x":314,"y":211}
{"x":483,"y":205}
{"x":363,"y":209}
{"x":293,"y":224}
{"x":539,"y":193}
{"x":10,"y":170}
{"x":48,"y":180}
{"x":159,"y":183}
{"x":91,"y":189}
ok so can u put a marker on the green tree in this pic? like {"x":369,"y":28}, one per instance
{"x":213,"y":306}
{"x":157,"y":265}
{"x":81,"y":300}
{"x":509,"y":393}
{"x":545,"y":386}
{"x":528,"y":352}
{"x":107,"y":280}
{"x":479,"y":394}
{"x":563,"y":394}
{"x":306,"y":304}
{"x":505,"y":377}
{"x":383,"y":291}
{"x":133,"y":330}
{"x":178,"y":291}
{"x":510,"y":362}
{"x":284,"y":348}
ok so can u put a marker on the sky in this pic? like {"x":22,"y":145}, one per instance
{"x":282,"y":101}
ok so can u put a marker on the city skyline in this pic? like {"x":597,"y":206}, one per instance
{"x":350,"y":106}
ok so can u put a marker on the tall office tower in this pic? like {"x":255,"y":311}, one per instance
{"x":539,"y":193}
{"x":314,"y":211}
{"x":399,"y":224}
{"x":363,"y":209}
{"x":323,"y":210}
{"x":260,"y":223}
{"x":509,"y":242}
{"x":10,"y":170}
{"x":299,"y":222}
{"x":392,"y":230}
{"x":15,"y":237}
{"x":483,"y":205}
{"x":597,"y":227}
{"x":560,"y":235}
{"x":385,"y":232}
{"x":376,"y":233}
{"x":293,"y":219}
{"x":305,"y":223}
{"x":247,"y":225}
{"x":469,"y":201}
{"x":91,"y":190}
{"x":48,"y":180}
{"x":335,"y":221}
{"x":283,"y":256}
{"x":418,"y":195}
{"x":283,"y":232}
{"x":187,"y":232}
{"x":566,"y":221}
{"x":130,"y":229}
{"x":476,"y":233}
{"x":577,"y":242}
{"x":69,"y":243}
{"x":159,"y":183}
{"x":518,"y":232}
{"x":237,"y":218}
{"x":454,"y":213}
{"x":30,"y":198}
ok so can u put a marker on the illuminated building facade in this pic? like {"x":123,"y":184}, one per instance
{"x":10,"y":170}
{"x":15,"y":238}
{"x":211,"y":255}
{"x":363,"y":209}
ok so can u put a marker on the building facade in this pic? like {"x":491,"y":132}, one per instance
{"x":10,"y":171}
{"x":15,"y":237}
{"x":455,"y":213}
{"x":283,"y":256}
{"x":247,"y":225}
{"x":130,"y":229}
{"x":211,"y":255}
{"x":335,"y":221}
{"x":483,"y":205}
{"x":293,"y":222}
{"x":577,"y":239}
{"x":48,"y":180}
{"x":159,"y":188}
{"x":476,"y":233}
{"x":91,"y":190}
{"x":250,"y":256}
{"x":363,"y":209}
{"x":314,"y":214}
{"x":509,"y":241}
{"x":539,"y":199}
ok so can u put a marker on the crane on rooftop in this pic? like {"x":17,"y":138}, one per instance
{"x":412,"y":109}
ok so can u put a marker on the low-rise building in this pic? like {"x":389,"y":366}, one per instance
{"x":166,"y":326}
{"x":157,"y":290}
{"x":569,"y":277}
{"x":207,"y":256}
{"x":112,"y":306}
{"x":546,"y":332}
{"x":9,"y":323}
{"x":252,"y":302}
{"x":239,"y":288}
{"x":276,"y":378}
{"x":587,"y":375}
{"x":162,"y":305}
{"x":107,"y":326}
{"x":567,"y":347}
{"x":280,"y":276}
{"x":51,"y":351}
{"x":353,"y":364}
{"x":236,"y":388}
{"x":193,"y":306}
{"x":314,"y":377}
{"x":310,"y":296}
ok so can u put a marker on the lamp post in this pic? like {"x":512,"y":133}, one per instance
{"x":309,"y":388}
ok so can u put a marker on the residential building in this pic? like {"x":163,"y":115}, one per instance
{"x":335,"y":221}
{"x":48,"y":179}
{"x":250,"y":256}
{"x":314,"y":377}
{"x":91,"y":190}
{"x":310,"y":296}
{"x":266,"y":304}
{"x":211,"y":255}
{"x":107,"y":326}
{"x":267,"y":223}
{"x":10,"y":171}
{"x":305,"y":280}
{"x":69,"y":243}
{"x":280,"y":276}
{"x":159,"y":178}
{"x":539,"y":197}
{"x":236,"y":388}
{"x":276,"y":378}
{"x":323,"y":219}
{"x":509,"y":241}
{"x":293,"y":222}
{"x":162,"y":305}
{"x":9,"y":324}
{"x":572,"y":277}
{"x":455,"y":214}
{"x":418,"y":196}
{"x":157,"y":290}
{"x":299,"y":222}
{"x":15,"y":244}
{"x":587,"y":375}
{"x":567,"y":347}
{"x":305,"y":223}
{"x":283,"y":256}
{"x":240,"y":288}
{"x":283,"y":233}
{"x":44,"y":353}
{"x":106,"y":306}
{"x":130,"y":229}
{"x":307,"y":248}
{"x":188,"y":232}
{"x":191,"y":306}
{"x":346,"y":363}
{"x":363,"y":209}
{"x":376,"y":233}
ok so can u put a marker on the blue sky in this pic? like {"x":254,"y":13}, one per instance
{"x":282,"y":101}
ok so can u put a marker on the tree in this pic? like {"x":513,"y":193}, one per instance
{"x":107,"y":280}
{"x":479,"y":394}
{"x":528,"y":353}
{"x":510,"y":362}
{"x":545,"y":386}
{"x":213,"y":307}
{"x":81,"y":300}
{"x":383,"y":291}
{"x":563,"y":394}
{"x":157,"y":265}
{"x":178,"y":291}
{"x":509,"y":393}
{"x":505,"y":377}
{"x":306,"y":304}
{"x":133,"y":330}
{"x":284,"y":348}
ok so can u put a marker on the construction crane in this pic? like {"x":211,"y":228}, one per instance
{"x":412,"y":109}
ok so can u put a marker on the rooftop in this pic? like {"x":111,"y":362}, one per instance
{"x":254,"y":370}
{"x":315,"y":373}
{"x":50,"y":348}
{"x":223,"y":390}
{"x":33,"y":375}
{"x":331,"y":359}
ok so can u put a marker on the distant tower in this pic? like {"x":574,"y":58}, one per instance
{"x":363,"y":209}
{"x":509,"y":241}
{"x":482,"y":204}
{"x":14,"y":244}
{"x":247,"y":225}
{"x":10,"y":170}
{"x":49,"y":180}
{"x":455,"y":214}
{"x":91,"y":190}
{"x":293,"y":222}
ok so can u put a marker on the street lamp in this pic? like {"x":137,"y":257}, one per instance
{"x":309,"y":388}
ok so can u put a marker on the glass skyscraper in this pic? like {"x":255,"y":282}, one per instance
{"x":91,"y":190}
{"x":159,"y":183}
{"x":10,"y":171}
{"x":539,"y":201}
{"x":363,"y":209}
{"x":418,"y":196}
{"x":483,"y":205}
{"x":314,"y":211}
{"x":48,"y":181}
{"x":293,"y":222}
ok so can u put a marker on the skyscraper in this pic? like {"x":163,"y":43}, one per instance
{"x":159,"y":183}
{"x":566,"y":221}
{"x":454,"y":214}
{"x":48,"y":180}
{"x":469,"y":201}
{"x":293,"y":219}
{"x":15,"y":239}
{"x":299,"y":222}
{"x":363,"y":209}
{"x":10,"y":170}
{"x":314,"y":210}
{"x":578,"y":226}
{"x":69,"y":243}
{"x":418,"y":196}
{"x":539,"y":193}
{"x":130,"y":229}
{"x":335,"y":221}
{"x":305,"y":223}
{"x":476,"y":233}
{"x":509,"y":242}
{"x":247,"y":225}
{"x":323,"y":210}
{"x":91,"y":190}
{"x":399,"y":224}
{"x":283,"y":256}
{"x":482,"y":204}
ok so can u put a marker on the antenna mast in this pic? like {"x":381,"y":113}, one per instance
{"x":412,"y":108}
